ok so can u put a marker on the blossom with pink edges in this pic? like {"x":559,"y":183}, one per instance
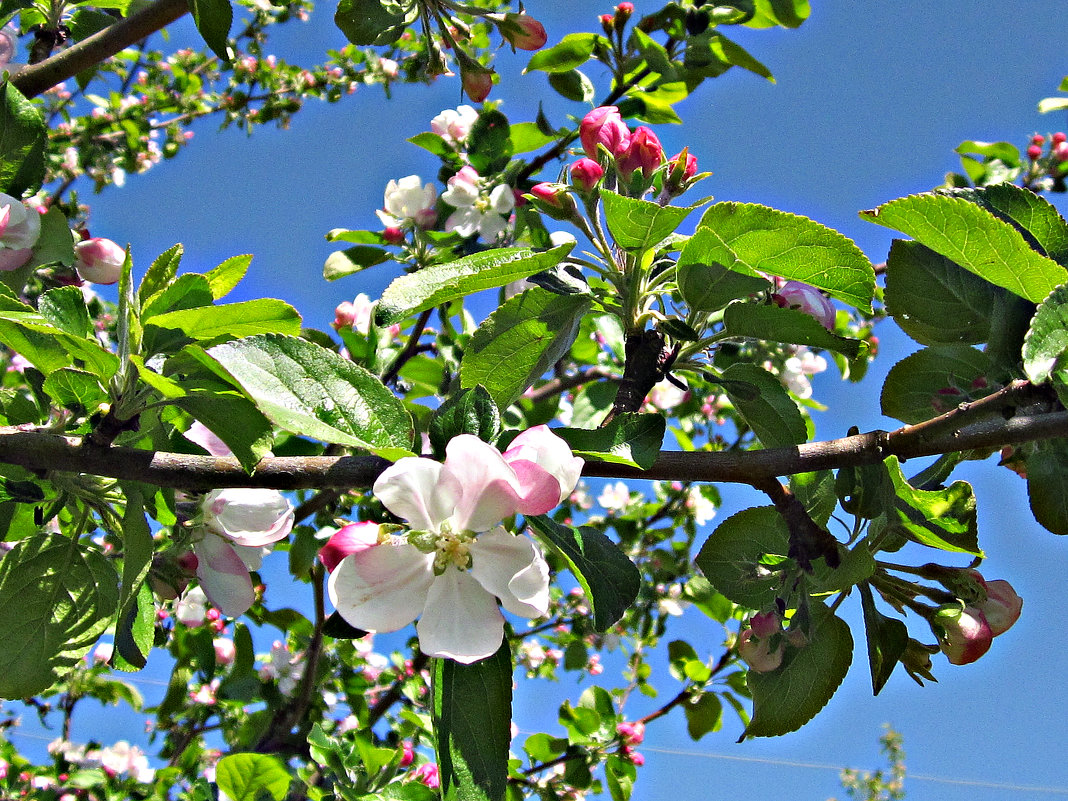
{"x":806,"y":298}
{"x":99,"y":260}
{"x":963,"y":633}
{"x":604,"y":126}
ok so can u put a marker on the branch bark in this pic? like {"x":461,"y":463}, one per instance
{"x":38,"y":78}
{"x":44,"y":451}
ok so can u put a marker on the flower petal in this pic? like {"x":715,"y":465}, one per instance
{"x":461,"y":620}
{"x":223,"y":575}
{"x":513,"y":569}
{"x":348,"y":540}
{"x":383,"y":588}
{"x":541,"y":446}
{"x":490,"y":486}
{"x":419,"y":491}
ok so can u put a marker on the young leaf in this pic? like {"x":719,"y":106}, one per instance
{"x":520,"y":341}
{"x":57,"y":596}
{"x":975,"y":239}
{"x":637,"y":224}
{"x":444,"y":283}
{"x":775,"y":324}
{"x":235,"y":320}
{"x":932,"y":381}
{"x":227,"y":275}
{"x":943,"y":519}
{"x":307,"y":389}
{"x":64,"y":307}
{"x":934,"y":299}
{"x":731,"y":556}
{"x":161,"y":272}
{"x":472,"y":714}
{"x":371,"y":22}
{"x":351,"y":260}
{"x":753,"y":239}
{"x":470,"y":411}
{"x":630,"y":438}
{"x":22,"y":142}
{"x":73,"y":388}
{"x":787,"y":698}
{"x":248,"y":777}
{"x":610,"y":579}
{"x":1047,"y":341}
{"x":887,"y":639}
{"x":764,"y":404}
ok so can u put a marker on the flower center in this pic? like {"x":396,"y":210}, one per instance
{"x":452,"y":548}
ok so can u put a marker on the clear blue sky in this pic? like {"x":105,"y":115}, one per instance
{"x":871,"y":99}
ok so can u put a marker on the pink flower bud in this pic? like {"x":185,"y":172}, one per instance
{"x":963,"y":633}
{"x":427,"y":773}
{"x":1038,"y":139}
{"x":344,"y":315}
{"x":350,"y":539}
{"x":523,"y":31}
{"x":765,"y":624}
{"x":608,"y":23}
{"x":643,"y":152}
{"x":604,"y":126}
{"x":1034,"y":152}
{"x":550,"y":194}
{"x":1060,"y":151}
{"x":477,"y":81}
{"x":624,"y":10}
{"x":225,"y":651}
{"x":631,"y":733}
{"x":393,"y":235}
{"x":585,"y":174}
{"x":1059,"y":137}
{"x":688,"y":164}
{"x":798,"y":295}
{"x":99,"y":260}
{"x":1002,"y":606}
{"x":407,"y":755}
{"x":756,"y":652}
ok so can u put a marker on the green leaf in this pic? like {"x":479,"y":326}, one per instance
{"x":136,"y":615}
{"x":309,"y":390}
{"x":57,"y":596}
{"x":753,"y":239}
{"x":943,"y":519}
{"x":787,"y":698}
{"x":86,"y":21}
{"x":22,"y":142}
{"x":736,"y":55}
{"x":731,"y":556}
{"x":1037,"y":217}
{"x":765,"y":405}
{"x":782,"y":13}
{"x":352,"y":260}
{"x":185,"y":292}
{"x":64,"y":307}
{"x":235,"y":420}
{"x":573,"y":51}
{"x":975,"y":239}
{"x":430,"y":142}
{"x":472,"y":714}
{"x":520,"y":341}
{"x":710,"y":287}
{"x":249,"y":317}
{"x":526,"y":136}
{"x":444,"y":283}
{"x":630,"y":438}
{"x":1047,"y":484}
{"x":224,"y":277}
{"x":887,"y":639}
{"x":213,"y":19}
{"x":816,"y":492}
{"x":773,"y":323}
{"x":703,"y":715}
{"x":470,"y":411}
{"x":489,"y":141}
{"x":573,"y":85}
{"x":1047,"y":340}
{"x":930,"y":382}
{"x":73,"y":388}
{"x":933,"y":299}
{"x":609,"y":578}
{"x":246,"y":777}
{"x":371,"y":22}
{"x":636,"y":224}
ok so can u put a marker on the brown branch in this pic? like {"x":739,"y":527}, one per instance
{"x":43,"y":451}
{"x":38,"y":78}
{"x":554,"y":386}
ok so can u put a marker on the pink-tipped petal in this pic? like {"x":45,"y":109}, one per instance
{"x":461,"y":620}
{"x":541,"y":446}
{"x":223,"y":575}
{"x":512,"y":568}
{"x":490,"y":486}
{"x":382,"y":588}
{"x":350,"y":539}
{"x":419,"y":491}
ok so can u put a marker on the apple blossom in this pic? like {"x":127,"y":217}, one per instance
{"x":798,"y":295}
{"x":643,"y":152}
{"x":475,"y":211}
{"x":614,"y":497}
{"x":453,"y":125}
{"x":191,"y":608}
{"x":283,"y":666}
{"x":963,"y":633}
{"x":523,"y":31}
{"x":20,"y":228}
{"x":604,"y":126}
{"x":457,"y":559}
{"x":346,"y":541}
{"x":428,"y":774}
{"x":759,"y":646}
{"x":409,"y":201}
{"x":585,"y":174}
{"x":207,"y":439}
{"x":8,"y":45}
{"x":225,"y":650}
{"x":99,"y":260}
{"x":1002,"y":606}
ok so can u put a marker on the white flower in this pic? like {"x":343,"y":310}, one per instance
{"x":477,"y":212}
{"x":670,"y":603}
{"x":453,"y":125}
{"x":191,"y":609}
{"x":699,"y":506}
{"x":240,"y":526}
{"x":799,"y":367}
{"x":408,"y":200}
{"x":614,"y":497}
{"x":458,"y":560}
{"x":666,"y":396}
{"x":283,"y":666}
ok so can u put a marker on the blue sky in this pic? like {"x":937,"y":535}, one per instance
{"x":870,"y":100}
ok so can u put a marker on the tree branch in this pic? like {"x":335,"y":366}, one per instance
{"x":38,"y":78}
{"x":44,"y":451}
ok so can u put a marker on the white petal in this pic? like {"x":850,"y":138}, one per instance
{"x":418,"y":491}
{"x":461,"y":620}
{"x":463,"y":221}
{"x":383,"y":588}
{"x":223,"y":576}
{"x":513,"y":569}
{"x":490,"y":486}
